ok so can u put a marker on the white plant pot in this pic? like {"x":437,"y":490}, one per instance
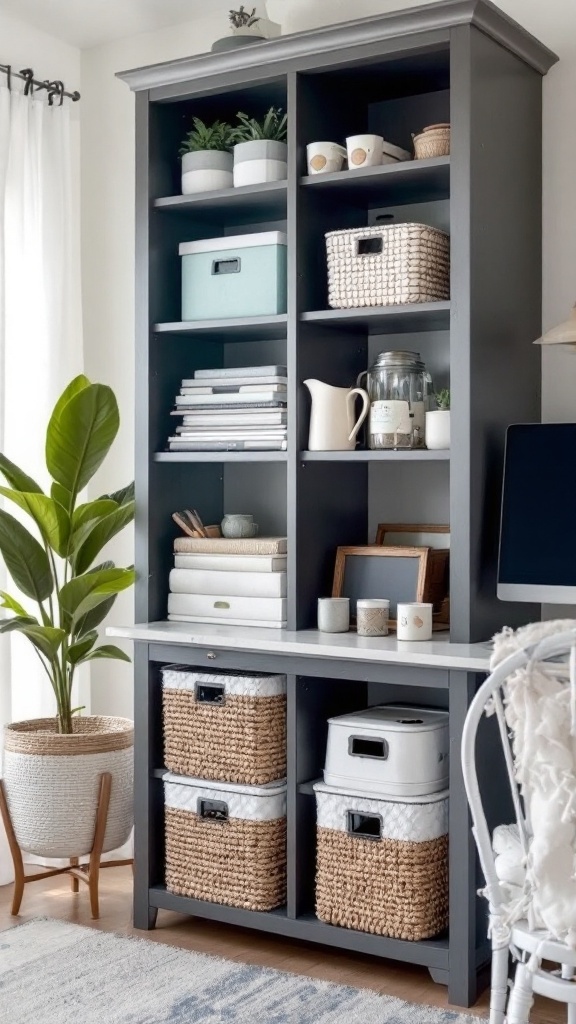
{"x":324,"y":157}
{"x":258,"y":161}
{"x":364,"y":150}
{"x":206,"y":171}
{"x":438,"y":429}
{"x":52,"y":783}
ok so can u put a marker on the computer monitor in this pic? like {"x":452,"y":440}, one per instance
{"x":537,"y":560}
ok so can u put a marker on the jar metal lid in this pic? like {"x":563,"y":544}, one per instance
{"x":408,"y":359}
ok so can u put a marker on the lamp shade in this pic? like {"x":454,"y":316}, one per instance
{"x":563,"y":334}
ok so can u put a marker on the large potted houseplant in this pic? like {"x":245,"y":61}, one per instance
{"x":260,"y":151}
{"x":206,"y":155}
{"x":53,"y":766}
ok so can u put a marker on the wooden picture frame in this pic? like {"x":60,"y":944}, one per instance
{"x":413,"y":528}
{"x":438,"y":583}
{"x":416,"y":582}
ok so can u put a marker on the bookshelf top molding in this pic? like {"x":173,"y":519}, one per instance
{"x":304,"y":50}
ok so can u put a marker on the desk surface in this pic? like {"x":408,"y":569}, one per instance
{"x":436,"y":653}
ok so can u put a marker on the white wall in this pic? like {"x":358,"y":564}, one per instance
{"x":108,"y":218}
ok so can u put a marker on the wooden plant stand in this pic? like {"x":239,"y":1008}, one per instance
{"x":88,"y":873}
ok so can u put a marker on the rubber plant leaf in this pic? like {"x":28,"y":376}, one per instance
{"x":80,"y":435}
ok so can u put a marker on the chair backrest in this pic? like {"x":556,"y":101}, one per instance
{"x":490,"y":699}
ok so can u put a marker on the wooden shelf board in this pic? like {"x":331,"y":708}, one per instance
{"x":409,"y":455}
{"x":220,"y":457}
{"x":266,"y":200}
{"x":245,"y":328}
{"x":419,"y":316}
{"x":408,"y":182}
{"x":430,"y":952}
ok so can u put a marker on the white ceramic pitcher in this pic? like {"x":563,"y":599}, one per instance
{"x":333,"y":423}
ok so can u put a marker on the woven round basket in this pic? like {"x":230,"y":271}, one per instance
{"x":52,"y":783}
{"x":432,"y":141}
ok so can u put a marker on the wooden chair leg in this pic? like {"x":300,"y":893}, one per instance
{"x":74,"y":883}
{"x":99,"y":834}
{"x":19,"y":877}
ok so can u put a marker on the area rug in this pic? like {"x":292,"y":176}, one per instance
{"x":57,"y":973}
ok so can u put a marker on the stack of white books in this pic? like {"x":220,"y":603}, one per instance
{"x":240,"y":582}
{"x":237,"y":409}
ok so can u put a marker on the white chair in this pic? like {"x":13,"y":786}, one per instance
{"x":527,"y":946}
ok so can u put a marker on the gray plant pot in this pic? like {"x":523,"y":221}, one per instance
{"x":235,"y":42}
{"x":260,"y":160}
{"x":206,"y":171}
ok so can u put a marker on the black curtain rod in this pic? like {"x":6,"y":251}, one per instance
{"x":54,"y":89}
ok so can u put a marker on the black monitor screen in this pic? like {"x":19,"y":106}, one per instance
{"x":538,"y":529}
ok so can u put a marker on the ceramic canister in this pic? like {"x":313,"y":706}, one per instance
{"x":372,"y":617}
{"x":414,"y":621}
{"x":333,"y":614}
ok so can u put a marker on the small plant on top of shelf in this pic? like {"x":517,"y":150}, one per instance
{"x":260,"y":152}
{"x":206,"y":158}
{"x":438,"y":422}
{"x":242,"y":18}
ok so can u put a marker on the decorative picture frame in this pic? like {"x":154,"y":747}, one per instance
{"x":437,"y":536}
{"x":374,"y":570}
{"x":426,"y":532}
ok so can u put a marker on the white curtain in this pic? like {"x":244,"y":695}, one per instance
{"x":40,"y":330}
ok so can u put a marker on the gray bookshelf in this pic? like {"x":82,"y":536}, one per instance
{"x":461,"y":61}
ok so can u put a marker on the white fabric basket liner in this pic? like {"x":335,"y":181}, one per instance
{"x":237,"y":684}
{"x":252,"y":803}
{"x":247,"y":241}
{"x":406,"y":819}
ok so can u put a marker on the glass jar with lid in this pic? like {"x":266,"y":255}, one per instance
{"x":399,"y":387}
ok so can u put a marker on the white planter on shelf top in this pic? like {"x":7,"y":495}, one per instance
{"x":260,"y":160}
{"x":438,"y":429}
{"x":206,"y":170}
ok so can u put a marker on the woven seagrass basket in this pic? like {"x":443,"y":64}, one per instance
{"x":382,"y":863}
{"x":387,"y":266}
{"x":52,"y":783}
{"x":432,"y":141}
{"x":225,"y":726}
{"x":226,"y":843}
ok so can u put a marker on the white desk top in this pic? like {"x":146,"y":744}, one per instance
{"x":436,"y":653}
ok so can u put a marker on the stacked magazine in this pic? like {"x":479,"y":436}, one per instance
{"x":238,"y":409}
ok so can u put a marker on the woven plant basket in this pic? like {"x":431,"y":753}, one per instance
{"x":52,"y":783}
{"x":391,"y":882}
{"x":230,"y":727}
{"x":226,"y":844}
{"x":387,"y":266}
{"x":432,"y":141}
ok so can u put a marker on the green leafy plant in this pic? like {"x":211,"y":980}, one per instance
{"x":242,"y":18}
{"x":202,"y":137}
{"x":55,"y":569}
{"x":272,"y":127}
{"x":443,"y":399}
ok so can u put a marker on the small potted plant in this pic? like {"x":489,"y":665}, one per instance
{"x":248,"y":25}
{"x":65,"y":588}
{"x":438,"y":422}
{"x":207,"y":160}
{"x":260,"y":151}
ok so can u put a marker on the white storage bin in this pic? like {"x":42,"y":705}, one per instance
{"x":391,"y":749}
{"x":226,"y":843}
{"x":382,"y":864}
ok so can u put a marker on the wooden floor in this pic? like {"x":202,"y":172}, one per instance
{"x":53,"y":898}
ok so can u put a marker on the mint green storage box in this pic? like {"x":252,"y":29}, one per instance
{"x":242,"y":275}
